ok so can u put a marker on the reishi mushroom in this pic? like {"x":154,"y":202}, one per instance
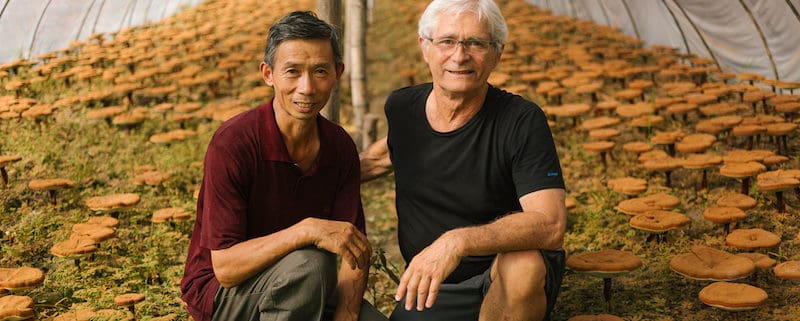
{"x":51,"y":185}
{"x":707,"y":263}
{"x":752,"y":239}
{"x":702,"y":162}
{"x":743,"y":171}
{"x":6,"y":160}
{"x":16,"y":308}
{"x":20,"y":278}
{"x":129,"y":300}
{"x":737,"y":200}
{"x":732,"y":296}
{"x":789,"y":270}
{"x":777,"y":182}
{"x":725,"y":215}
{"x":762,"y":261}
{"x":170,"y":214}
{"x":657,"y":222}
{"x":74,"y":248}
{"x":628,"y":185}
{"x":604,"y":264}
{"x":112,"y":203}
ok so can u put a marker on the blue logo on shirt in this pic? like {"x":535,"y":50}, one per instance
{"x":552,"y":174}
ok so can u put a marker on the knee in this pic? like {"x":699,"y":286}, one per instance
{"x":311,"y":267}
{"x":521,"y":273}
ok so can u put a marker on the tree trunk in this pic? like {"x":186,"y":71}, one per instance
{"x":331,"y":12}
{"x":356,"y":47}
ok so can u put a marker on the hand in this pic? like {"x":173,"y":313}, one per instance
{"x":341,"y":238}
{"x":424,"y":275}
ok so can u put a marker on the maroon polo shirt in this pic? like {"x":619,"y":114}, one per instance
{"x":251,"y":188}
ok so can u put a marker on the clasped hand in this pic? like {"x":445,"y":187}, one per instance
{"x":341,"y":238}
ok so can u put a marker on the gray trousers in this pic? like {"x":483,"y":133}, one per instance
{"x":299,"y":287}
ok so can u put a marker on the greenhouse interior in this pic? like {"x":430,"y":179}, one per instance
{"x":674,"y":126}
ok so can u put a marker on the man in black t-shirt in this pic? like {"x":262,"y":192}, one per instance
{"x":480,"y":195}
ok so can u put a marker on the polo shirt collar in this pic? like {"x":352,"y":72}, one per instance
{"x":274,"y":148}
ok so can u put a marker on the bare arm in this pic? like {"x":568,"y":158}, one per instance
{"x":541,"y":225}
{"x":375,"y":161}
{"x":350,"y":290}
{"x":242,"y":261}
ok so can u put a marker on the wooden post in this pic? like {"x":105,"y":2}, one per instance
{"x":357,"y":53}
{"x":370,"y":133}
{"x":331,"y":12}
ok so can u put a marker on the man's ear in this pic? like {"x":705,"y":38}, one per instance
{"x":500,"y":51}
{"x":266,"y":73}
{"x":339,"y":71}
{"x":422,"y":47}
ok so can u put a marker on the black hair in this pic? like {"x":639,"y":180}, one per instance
{"x":300,"y":25}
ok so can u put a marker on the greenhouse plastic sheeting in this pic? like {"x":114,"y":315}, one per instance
{"x":32,"y":27}
{"x":753,"y":36}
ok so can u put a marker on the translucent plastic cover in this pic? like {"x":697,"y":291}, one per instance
{"x":29,"y":28}
{"x":750,"y":36}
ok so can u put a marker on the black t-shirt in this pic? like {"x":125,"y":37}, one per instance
{"x":469,"y":176}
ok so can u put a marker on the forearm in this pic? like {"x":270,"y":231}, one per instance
{"x":375,"y":161}
{"x":350,"y":292}
{"x":513,"y":232}
{"x":242,"y":261}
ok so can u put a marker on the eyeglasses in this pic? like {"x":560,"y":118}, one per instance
{"x":471,"y":46}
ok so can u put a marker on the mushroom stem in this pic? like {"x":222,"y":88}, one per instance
{"x":728,"y":228}
{"x":603,"y":158}
{"x":668,"y":181}
{"x":746,"y":186}
{"x":656,"y":237}
{"x":728,"y":137}
{"x":133,"y":311}
{"x":779,"y":202}
{"x":783,"y":140}
{"x":607,"y":290}
{"x":704,"y":180}
{"x":53,"y":197}
{"x":4,"y":174}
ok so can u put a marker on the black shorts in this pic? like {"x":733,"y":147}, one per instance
{"x":462,"y":301}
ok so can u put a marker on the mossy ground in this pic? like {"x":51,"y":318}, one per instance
{"x":148,"y":258}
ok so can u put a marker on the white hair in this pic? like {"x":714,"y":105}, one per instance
{"x":486,"y":10}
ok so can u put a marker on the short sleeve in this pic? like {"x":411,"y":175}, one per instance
{"x":347,"y":204}
{"x":535,"y":164}
{"x":224,"y":199}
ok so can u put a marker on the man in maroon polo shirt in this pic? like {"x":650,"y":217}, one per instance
{"x":280,"y":198}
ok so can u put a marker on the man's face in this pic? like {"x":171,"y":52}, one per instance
{"x":459,"y":70}
{"x":303,"y":77}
